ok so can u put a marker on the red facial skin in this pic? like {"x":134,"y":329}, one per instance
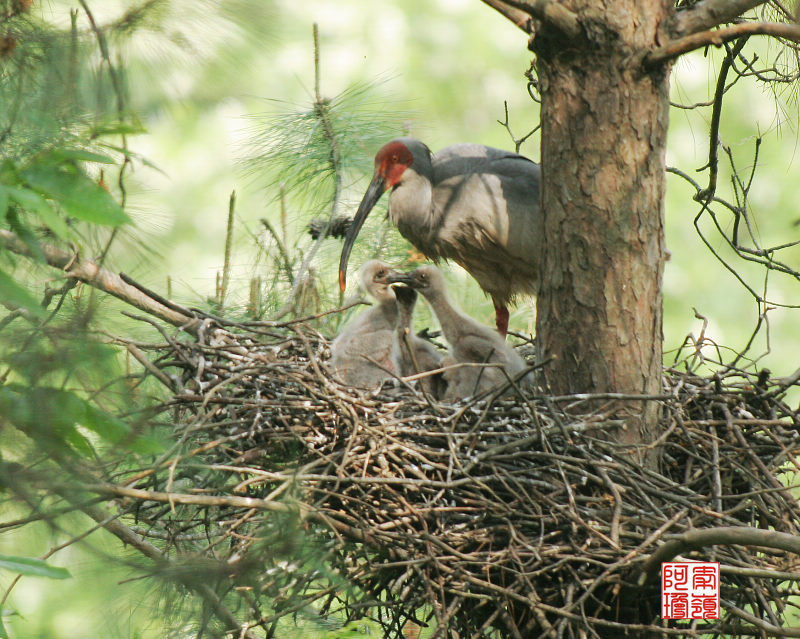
{"x":391,"y":161}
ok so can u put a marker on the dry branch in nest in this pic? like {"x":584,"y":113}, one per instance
{"x":512,"y":517}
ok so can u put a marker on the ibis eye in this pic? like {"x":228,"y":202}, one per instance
{"x":395,"y":159}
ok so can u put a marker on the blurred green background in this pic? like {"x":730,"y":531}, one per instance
{"x":214,"y":82}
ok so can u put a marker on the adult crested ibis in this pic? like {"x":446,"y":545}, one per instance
{"x":470,"y":341}
{"x":469,"y":203}
{"x":417,"y":355}
{"x":371,"y":334}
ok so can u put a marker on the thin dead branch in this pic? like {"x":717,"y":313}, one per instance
{"x":716,"y":116}
{"x":718,"y":37}
{"x":550,"y":13}
{"x":518,"y":17}
{"x":707,"y":14}
{"x":78,"y":268}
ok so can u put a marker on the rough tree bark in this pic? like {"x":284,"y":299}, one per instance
{"x":604,"y":124}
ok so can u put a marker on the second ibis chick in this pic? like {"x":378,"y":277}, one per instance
{"x":371,"y":335}
{"x":470,"y":341}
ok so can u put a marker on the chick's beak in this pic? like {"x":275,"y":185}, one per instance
{"x":400,"y":278}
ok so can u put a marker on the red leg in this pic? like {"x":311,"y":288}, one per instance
{"x":501,"y":318}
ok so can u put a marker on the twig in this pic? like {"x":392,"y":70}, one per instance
{"x":718,"y":37}
{"x":156,"y":296}
{"x":151,"y":368}
{"x":716,"y":115}
{"x":119,"y":94}
{"x":285,"y":259}
{"x":698,"y":539}
{"x":322,"y":110}
{"x":98,"y":277}
{"x":711,"y":13}
{"x":553,"y":14}
{"x":202,"y":500}
{"x":226,"y":267}
{"x":761,"y":624}
{"x":506,"y":125}
{"x":518,"y":17}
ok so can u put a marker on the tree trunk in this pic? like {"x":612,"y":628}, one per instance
{"x":604,"y":124}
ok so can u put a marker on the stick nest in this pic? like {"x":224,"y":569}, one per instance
{"x":507,"y":517}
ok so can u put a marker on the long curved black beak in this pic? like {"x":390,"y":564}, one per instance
{"x":401,"y":278}
{"x":374,"y":192}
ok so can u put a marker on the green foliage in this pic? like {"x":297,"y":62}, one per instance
{"x":15,"y":294}
{"x":68,"y":406}
{"x":32,"y":567}
{"x":356,"y":630}
{"x":292,"y":149}
{"x":50,"y":102}
{"x":46,"y":90}
{"x":305,"y":158}
{"x":55,"y":418}
{"x":31,"y":202}
{"x":53,"y":188}
{"x":47,"y":415}
{"x":78,"y":195}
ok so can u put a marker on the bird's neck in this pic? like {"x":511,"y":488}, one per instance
{"x":390,"y":311}
{"x":448,"y":315}
{"x":404,"y":316}
{"x":411,"y":210}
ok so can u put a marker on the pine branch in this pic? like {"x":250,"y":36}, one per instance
{"x":226,"y":267}
{"x":718,"y":37}
{"x":130,"y":538}
{"x":322,"y":111}
{"x":518,"y":17}
{"x":711,"y":13}
{"x":116,"y":83}
{"x":91,"y":273}
{"x":551,"y":13}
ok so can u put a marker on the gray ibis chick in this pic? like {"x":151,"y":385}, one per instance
{"x":469,"y":203}
{"x":470,"y":341}
{"x":372,"y":333}
{"x":417,"y":355}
